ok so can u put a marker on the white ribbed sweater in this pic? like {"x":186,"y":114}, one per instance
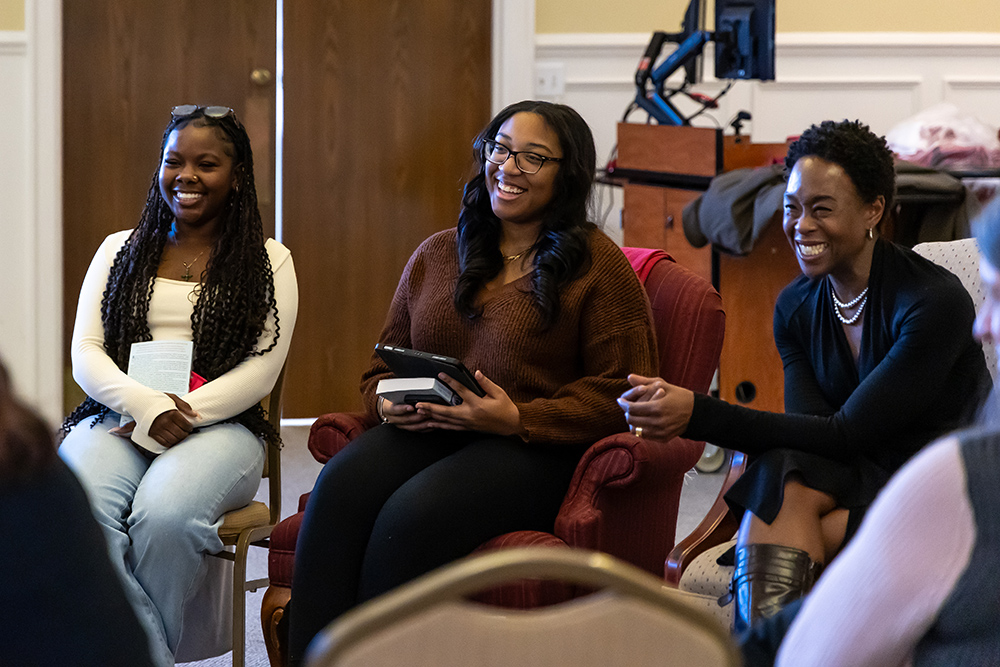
{"x":169,"y":318}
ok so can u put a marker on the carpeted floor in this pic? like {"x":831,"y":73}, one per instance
{"x":298,"y":473}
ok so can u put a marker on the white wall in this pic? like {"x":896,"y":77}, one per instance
{"x":16,"y":306}
{"x":879,"y":78}
{"x":31,"y":207}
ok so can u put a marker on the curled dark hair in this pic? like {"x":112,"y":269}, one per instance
{"x":561,"y":251}
{"x":236,"y":291}
{"x":862,"y":154}
{"x":26,"y":446}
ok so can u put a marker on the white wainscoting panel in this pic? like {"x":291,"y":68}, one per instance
{"x":879,"y":78}
{"x":30,"y":207}
{"x":17,"y":308}
{"x":794,"y":103}
{"x":974,"y":92}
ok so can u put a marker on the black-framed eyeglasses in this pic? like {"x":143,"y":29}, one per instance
{"x":528,"y":162}
{"x":190,"y":109}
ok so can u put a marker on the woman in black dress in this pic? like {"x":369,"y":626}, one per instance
{"x":878,"y":361}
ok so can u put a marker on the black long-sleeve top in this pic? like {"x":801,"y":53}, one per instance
{"x":919,"y":374}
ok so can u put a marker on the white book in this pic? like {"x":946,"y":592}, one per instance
{"x":417,"y":390}
{"x":164,"y":365}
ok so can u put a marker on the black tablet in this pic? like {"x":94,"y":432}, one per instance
{"x":406,"y":363}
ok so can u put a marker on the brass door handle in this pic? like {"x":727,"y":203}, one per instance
{"x":261,"y":76}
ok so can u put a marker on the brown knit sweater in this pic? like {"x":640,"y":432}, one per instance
{"x":565,"y":380}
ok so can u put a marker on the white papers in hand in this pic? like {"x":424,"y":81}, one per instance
{"x":164,"y":365}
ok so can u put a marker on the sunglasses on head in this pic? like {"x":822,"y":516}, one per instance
{"x":190,"y":109}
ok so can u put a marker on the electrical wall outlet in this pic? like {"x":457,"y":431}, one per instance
{"x":550,"y":78}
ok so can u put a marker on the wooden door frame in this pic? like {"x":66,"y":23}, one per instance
{"x":513,"y":55}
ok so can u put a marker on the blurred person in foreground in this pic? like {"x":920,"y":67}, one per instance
{"x":64,"y":604}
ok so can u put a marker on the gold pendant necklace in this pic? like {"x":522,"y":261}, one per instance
{"x":511,"y":258}
{"x":187,"y":267}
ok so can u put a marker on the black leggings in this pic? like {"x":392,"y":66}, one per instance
{"x":394,"y":505}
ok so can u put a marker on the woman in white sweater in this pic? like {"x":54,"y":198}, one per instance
{"x":196,"y":268}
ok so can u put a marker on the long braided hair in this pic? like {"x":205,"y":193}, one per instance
{"x":236,"y":290}
{"x":561,"y":252}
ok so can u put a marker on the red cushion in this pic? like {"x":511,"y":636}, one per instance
{"x":624,"y":495}
{"x":527,"y":593}
{"x":281,"y":554}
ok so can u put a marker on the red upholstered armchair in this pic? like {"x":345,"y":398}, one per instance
{"x":624,"y":495}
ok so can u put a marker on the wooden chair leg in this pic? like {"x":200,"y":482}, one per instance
{"x":239,"y":601}
{"x":272,"y":610}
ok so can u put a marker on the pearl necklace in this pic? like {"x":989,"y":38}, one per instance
{"x":839,"y":305}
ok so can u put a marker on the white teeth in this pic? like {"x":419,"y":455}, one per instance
{"x":811,"y":250}
{"x":510,"y":189}
{"x":187,"y":196}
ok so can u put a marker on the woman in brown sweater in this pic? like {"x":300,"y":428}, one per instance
{"x":548,"y":313}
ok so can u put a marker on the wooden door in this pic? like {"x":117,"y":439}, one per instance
{"x":382,"y":101}
{"x":125,"y":64}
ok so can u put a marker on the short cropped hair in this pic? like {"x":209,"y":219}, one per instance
{"x":862,"y":154}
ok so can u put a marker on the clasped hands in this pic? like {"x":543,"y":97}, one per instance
{"x":655,"y":409}
{"x":492,"y":413}
{"x":169,"y":427}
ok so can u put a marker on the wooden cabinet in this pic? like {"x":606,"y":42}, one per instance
{"x":662,"y":169}
{"x":652,"y":219}
{"x":750,"y":370}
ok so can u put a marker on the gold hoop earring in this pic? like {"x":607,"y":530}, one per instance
{"x":870,"y":233}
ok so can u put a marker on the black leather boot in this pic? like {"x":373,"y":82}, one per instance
{"x":768,"y":577}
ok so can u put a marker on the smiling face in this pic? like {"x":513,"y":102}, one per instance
{"x":826,"y":221}
{"x":517,"y":197}
{"x":196,"y":175}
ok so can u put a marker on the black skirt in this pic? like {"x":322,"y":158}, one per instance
{"x":853,"y":484}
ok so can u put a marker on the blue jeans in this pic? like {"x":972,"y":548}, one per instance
{"x":161,"y":515}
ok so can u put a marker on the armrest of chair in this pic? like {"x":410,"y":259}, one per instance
{"x":718,"y":526}
{"x":331,"y":432}
{"x":634,"y":479}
